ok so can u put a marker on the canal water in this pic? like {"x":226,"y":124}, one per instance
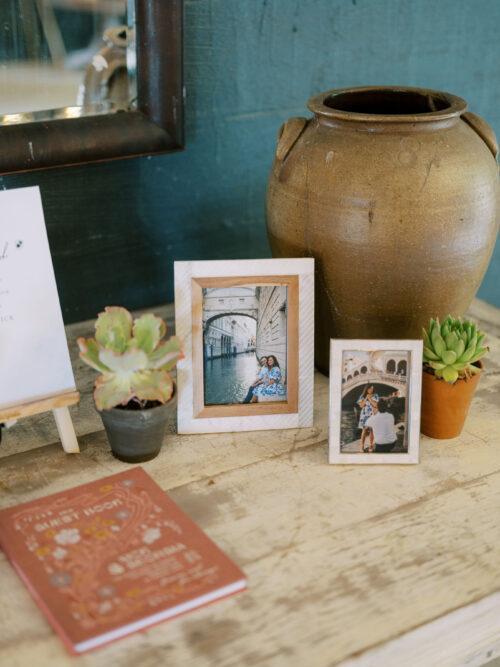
{"x":227,"y":379}
{"x":349,"y":430}
{"x":350,"y":434}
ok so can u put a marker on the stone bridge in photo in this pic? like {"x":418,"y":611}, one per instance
{"x":265,"y":304}
{"x":360,"y":380}
{"x":236,"y":301}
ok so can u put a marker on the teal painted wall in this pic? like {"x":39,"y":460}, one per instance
{"x":116,"y":228}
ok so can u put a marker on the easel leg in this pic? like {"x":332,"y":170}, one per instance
{"x":66,"y":430}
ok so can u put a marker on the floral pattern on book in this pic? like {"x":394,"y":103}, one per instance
{"x":116,"y":532}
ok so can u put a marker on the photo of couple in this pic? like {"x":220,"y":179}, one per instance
{"x":374,"y":391}
{"x":268,"y":384}
{"x":244,"y":344}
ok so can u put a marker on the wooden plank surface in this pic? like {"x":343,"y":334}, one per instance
{"x":43,"y":405}
{"x":347,"y":565}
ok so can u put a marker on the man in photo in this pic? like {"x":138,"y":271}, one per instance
{"x":383,"y":427}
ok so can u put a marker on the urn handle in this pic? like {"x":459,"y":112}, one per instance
{"x":484,"y":130}
{"x":289,"y":132}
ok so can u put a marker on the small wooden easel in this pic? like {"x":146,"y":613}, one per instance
{"x":59,"y":405}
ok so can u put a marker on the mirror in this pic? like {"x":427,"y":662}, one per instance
{"x":65,"y":58}
{"x":79,"y":60}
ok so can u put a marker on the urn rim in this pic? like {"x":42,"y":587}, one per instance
{"x":386,"y":104}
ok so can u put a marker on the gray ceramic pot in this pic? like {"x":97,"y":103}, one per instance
{"x":136,"y":435}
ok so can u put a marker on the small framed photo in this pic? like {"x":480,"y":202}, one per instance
{"x":375,"y":388}
{"x":248,"y":331}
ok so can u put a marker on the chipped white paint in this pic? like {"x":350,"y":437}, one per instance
{"x":184,"y":272}
{"x":348,"y":565}
{"x":337,"y":347}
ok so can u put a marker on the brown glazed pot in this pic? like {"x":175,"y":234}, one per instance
{"x":394,"y":192}
{"x":445,"y":406}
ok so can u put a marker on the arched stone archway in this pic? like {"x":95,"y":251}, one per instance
{"x":219,"y":316}
{"x":364,"y":369}
{"x":356,"y":373}
{"x":391,"y":366}
{"x":391,"y":380}
{"x":229,"y":301}
{"x":402,"y":367}
{"x":224,"y":335}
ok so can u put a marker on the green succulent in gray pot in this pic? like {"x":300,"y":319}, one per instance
{"x":134,"y":389}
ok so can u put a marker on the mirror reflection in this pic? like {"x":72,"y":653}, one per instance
{"x":65,"y":58}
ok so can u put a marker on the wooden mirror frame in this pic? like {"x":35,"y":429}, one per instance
{"x":156,"y":127}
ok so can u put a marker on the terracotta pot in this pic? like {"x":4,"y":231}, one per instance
{"x":394,"y":191}
{"x":445,"y":406}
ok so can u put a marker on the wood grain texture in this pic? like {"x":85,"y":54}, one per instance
{"x":347,"y":565}
{"x":36,"y":407}
{"x":189,"y":277}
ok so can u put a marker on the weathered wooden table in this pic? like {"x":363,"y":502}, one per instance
{"x":352,"y":565}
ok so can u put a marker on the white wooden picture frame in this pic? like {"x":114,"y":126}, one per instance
{"x":295,"y":278}
{"x":391,"y":365}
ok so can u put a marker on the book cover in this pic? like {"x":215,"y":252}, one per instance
{"x":113,"y":556}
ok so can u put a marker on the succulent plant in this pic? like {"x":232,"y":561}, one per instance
{"x":132,"y":357}
{"x":452,"y":348}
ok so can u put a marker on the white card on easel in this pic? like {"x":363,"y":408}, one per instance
{"x":34,"y":356}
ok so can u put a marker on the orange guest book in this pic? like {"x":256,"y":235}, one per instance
{"x":113,"y":556}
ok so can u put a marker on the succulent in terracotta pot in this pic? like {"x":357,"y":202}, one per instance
{"x":135,"y":386}
{"x":452,"y":366}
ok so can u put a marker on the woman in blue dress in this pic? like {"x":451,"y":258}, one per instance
{"x":274,"y":387}
{"x":368,"y":403}
{"x":261,"y":378}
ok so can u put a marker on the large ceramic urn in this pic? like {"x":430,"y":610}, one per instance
{"x":395,"y":193}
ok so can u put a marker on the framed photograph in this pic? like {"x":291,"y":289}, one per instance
{"x":248,"y":331}
{"x":375,"y":388}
